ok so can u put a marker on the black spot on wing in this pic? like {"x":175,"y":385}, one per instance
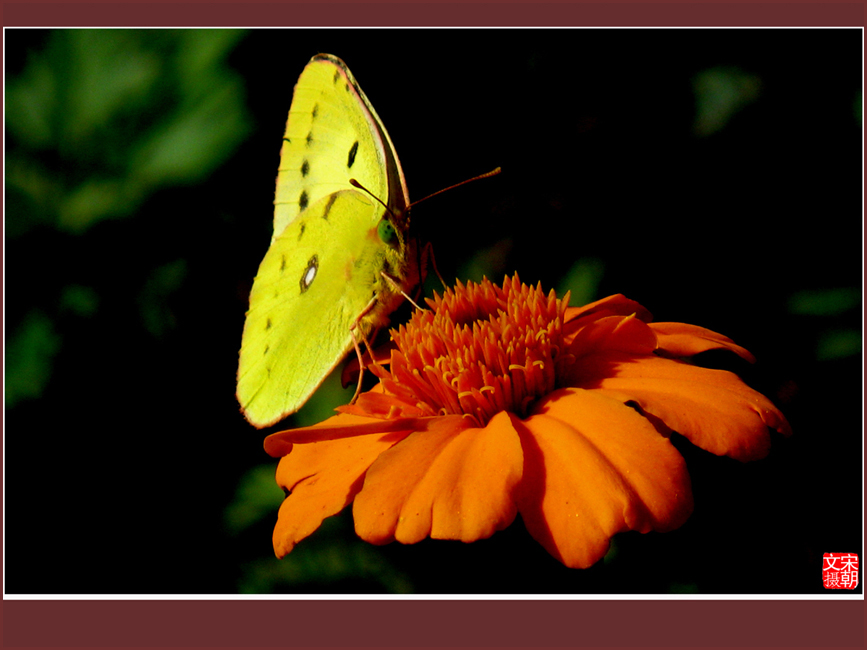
{"x":267,"y":327}
{"x":303,"y":200}
{"x":309,"y":139}
{"x":352,"y":153}
{"x":305,"y":168}
{"x":315,"y":110}
{"x":282,"y":263}
{"x":331,"y":200}
{"x":301,"y":231}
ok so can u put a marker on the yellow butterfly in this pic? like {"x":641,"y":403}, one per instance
{"x":339,"y":262}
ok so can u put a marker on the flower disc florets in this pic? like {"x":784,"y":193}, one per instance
{"x":481,"y":349}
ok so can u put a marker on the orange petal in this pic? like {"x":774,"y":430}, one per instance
{"x":344,"y":425}
{"x":616,"y":305}
{"x":322,"y":478}
{"x":450,"y":482}
{"x":379,"y":405}
{"x":620,"y":333}
{"x":594,"y":467}
{"x":684,"y":340}
{"x":714,"y":409}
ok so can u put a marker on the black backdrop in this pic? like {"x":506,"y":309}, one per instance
{"x":713,"y":175}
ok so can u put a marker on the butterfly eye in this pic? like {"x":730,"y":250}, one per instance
{"x":387,"y":233}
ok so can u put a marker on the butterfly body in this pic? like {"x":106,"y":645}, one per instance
{"x":322,"y":283}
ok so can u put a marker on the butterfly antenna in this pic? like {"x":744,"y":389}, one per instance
{"x":493,"y":172}
{"x":355,"y":183}
{"x":428,"y":251}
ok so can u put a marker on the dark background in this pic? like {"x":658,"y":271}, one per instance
{"x":713,"y":175}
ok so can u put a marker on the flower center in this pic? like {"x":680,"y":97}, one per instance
{"x":481,"y":349}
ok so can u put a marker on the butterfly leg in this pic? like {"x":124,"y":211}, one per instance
{"x":352,"y":328}
{"x":397,"y":288}
{"x":360,"y":365}
{"x":427,"y":255}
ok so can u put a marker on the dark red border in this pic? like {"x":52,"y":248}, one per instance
{"x":262,"y":623}
{"x":304,"y":14}
{"x":257,"y":624}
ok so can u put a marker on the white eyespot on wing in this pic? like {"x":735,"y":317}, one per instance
{"x":309,"y":273}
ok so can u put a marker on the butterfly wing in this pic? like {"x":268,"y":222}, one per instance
{"x":323,"y":276}
{"x":333,"y":134}
{"x":306,"y":299}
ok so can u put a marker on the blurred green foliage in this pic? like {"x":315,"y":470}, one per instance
{"x":825,"y":302}
{"x":838,"y":344}
{"x":334,"y":561}
{"x":830,"y":308}
{"x":257,"y":497}
{"x":29,"y":355}
{"x":80,"y":300}
{"x":582,"y":281}
{"x":103,"y":118}
{"x":156,"y":314}
{"x":720,"y":93}
{"x":487,"y":262}
{"x":97,"y":122}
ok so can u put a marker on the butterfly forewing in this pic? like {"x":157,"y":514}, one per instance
{"x":331,"y":136}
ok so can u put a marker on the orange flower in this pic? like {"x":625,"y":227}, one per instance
{"x":501,"y":401}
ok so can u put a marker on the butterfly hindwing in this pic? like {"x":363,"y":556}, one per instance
{"x":288,"y":347}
